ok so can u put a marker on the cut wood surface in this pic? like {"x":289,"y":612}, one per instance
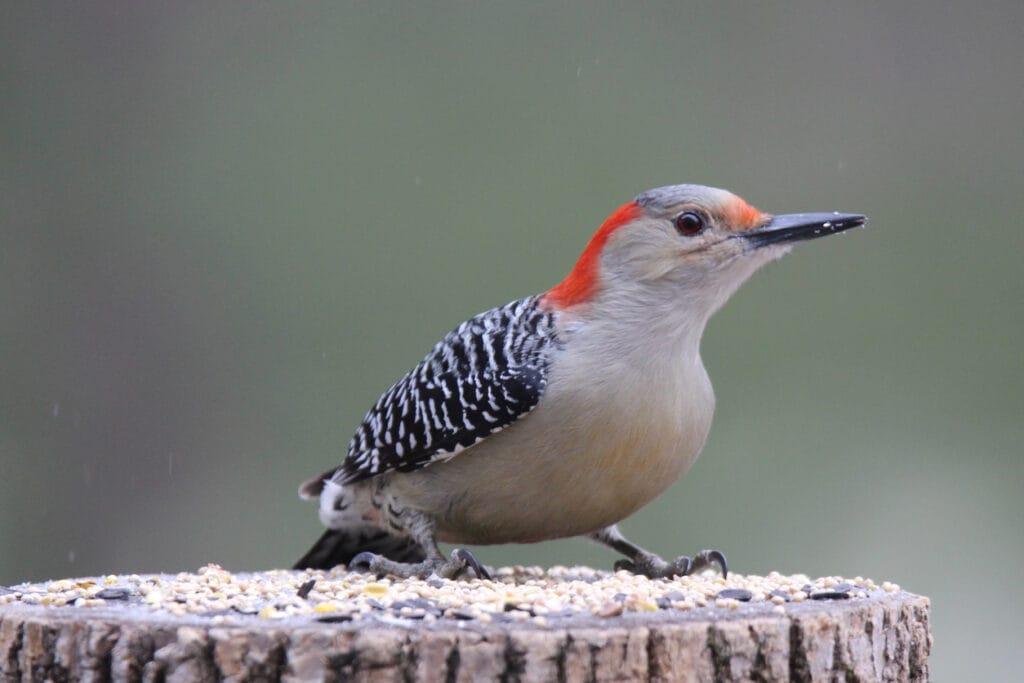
{"x":880,"y":635}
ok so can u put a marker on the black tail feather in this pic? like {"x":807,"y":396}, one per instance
{"x":339,"y":546}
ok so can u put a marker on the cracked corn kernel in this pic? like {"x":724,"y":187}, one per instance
{"x":646,"y":606}
{"x":325,"y":607}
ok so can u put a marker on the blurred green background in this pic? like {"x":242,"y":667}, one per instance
{"x":226,"y":228}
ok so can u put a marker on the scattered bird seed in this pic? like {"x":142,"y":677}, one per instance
{"x":113,"y":594}
{"x":610,"y":609}
{"x":830,"y":595}
{"x":516,"y":594}
{"x":375,"y":589}
{"x":513,"y":607}
{"x":741,"y":594}
{"x":335,"y":618}
{"x":413,"y":614}
{"x":305,"y":589}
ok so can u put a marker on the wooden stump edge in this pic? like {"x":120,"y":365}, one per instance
{"x":885,"y":637}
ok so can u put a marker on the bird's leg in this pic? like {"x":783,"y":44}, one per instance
{"x":644,"y":562}
{"x":421,"y":528}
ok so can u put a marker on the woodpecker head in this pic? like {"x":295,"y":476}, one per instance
{"x":695,"y":243}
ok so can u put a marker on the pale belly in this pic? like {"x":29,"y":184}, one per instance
{"x":554,"y":475}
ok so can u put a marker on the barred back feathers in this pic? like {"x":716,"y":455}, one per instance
{"x":480,"y":378}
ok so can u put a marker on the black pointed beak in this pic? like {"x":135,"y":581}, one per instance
{"x":794,"y":227}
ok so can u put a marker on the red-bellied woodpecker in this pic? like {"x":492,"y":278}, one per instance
{"x":558,"y":414}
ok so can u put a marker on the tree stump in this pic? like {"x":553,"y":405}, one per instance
{"x":141,"y":628}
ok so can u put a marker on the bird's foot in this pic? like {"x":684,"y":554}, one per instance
{"x":653,"y":567}
{"x":461,"y":560}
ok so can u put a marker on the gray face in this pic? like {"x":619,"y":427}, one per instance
{"x":729,"y":214}
{"x":720,"y":210}
{"x":708,"y":238}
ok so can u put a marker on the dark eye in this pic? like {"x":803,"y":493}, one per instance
{"x":689,"y":223}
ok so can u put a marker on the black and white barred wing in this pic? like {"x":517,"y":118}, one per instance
{"x":479,"y":379}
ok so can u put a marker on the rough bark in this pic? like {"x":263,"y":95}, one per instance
{"x":881,"y":638}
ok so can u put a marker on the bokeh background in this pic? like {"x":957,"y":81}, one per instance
{"x":227,"y":227}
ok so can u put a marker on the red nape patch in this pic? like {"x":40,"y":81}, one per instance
{"x":579,"y":285}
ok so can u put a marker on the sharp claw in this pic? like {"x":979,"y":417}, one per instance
{"x":705,"y":558}
{"x":624,"y":564}
{"x":361,"y":562}
{"x":469,"y":560}
{"x":682,"y":566}
{"x":717,"y":556}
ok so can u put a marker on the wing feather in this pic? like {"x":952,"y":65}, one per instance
{"x":479,"y":379}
